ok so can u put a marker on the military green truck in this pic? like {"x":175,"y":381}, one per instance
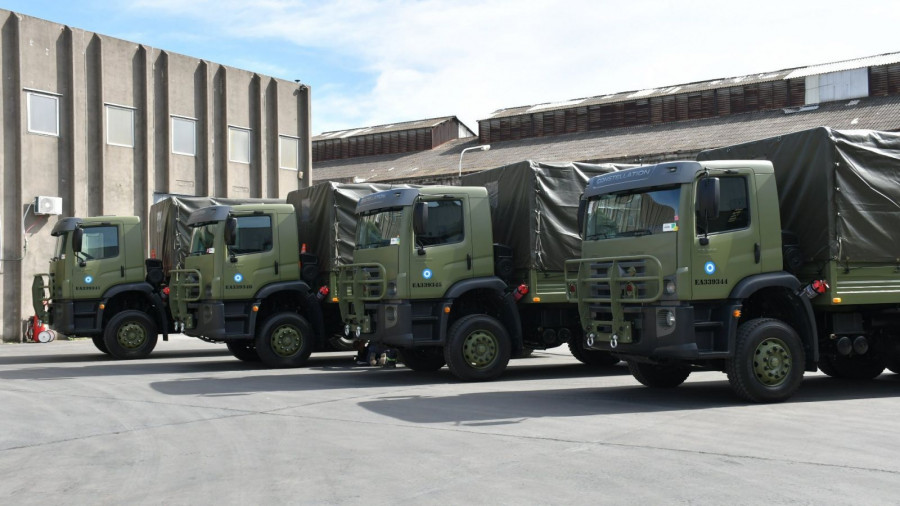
{"x":761,"y":272}
{"x":101,"y":285}
{"x":469,"y":276}
{"x":257,"y":277}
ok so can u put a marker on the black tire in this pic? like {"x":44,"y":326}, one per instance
{"x":858,"y":367}
{"x":423,"y":359}
{"x":243,"y":350}
{"x":98,"y":342}
{"x":130,"y":335}
{"x":659,"y":375}
{"x":285,"y":340}
{"x":768,"y":361}
{"x":593,"y":358}
{"x":478,"y":348}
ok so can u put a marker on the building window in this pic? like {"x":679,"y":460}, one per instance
{"x":238,"y":144}
{"x":43,"y":114}
{"x":184,"y":136}
{"x":119,"y":126}
{"x":288,"y":152}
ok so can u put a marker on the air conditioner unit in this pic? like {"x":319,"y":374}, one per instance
{"x":47,"y":205}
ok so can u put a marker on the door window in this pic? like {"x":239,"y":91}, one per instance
{"x":444,"y":225}
{"x":100,"y":242}
{"x":253,"y":235}
{"x":734,"y":212}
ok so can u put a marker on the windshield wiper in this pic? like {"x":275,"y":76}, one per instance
{"x":636,"y":233}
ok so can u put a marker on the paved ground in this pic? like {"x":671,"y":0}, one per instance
{"x":192,"y":425}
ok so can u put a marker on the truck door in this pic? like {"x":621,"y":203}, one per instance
{"x":734,"y":242}
{"x":447,"y":244}
{"x":101,"y":263}
{"x":252,"y":262}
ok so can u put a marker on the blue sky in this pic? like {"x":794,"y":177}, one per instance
{"x":379,"y":62}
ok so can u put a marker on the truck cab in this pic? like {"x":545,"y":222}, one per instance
{"x":100,"y":285}
{"x":423,"y":280}
{"x":241,"y":284}
{"x":682,"y":265}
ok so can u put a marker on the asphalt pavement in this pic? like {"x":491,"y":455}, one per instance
{"x":192,"y":425}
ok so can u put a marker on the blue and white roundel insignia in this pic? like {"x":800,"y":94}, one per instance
{"x":89,"y":279}
{"x":427,"y":274}
{"x":710,"y":268}
{"x":238,"y":277}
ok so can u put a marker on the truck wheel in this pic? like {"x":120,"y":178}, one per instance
{"x":130,"y":334}
{"x":286,"y":340}
{"x":477,"y":348}
{"x":859,"y":367}
{"x":243,"y":350}
{"x":659,"y":375}
{"x":98,"y":342}
{"x":424,"y":358}
{"x":768,"y":361}
{"x":593,"y":358}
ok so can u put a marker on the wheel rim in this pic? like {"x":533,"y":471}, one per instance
{"x":286,"y":340}
{"x":772,"y":362}
{"x":131,"y":335}
{"x":480,"y":349}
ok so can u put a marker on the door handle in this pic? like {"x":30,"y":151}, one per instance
{"x":276,"y":267}
{"x":122,"y":267}
{"x":756,"y":252}
{"x":469,"y":261}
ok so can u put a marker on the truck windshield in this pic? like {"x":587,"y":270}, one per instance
{"x":203,"y":239}
{"x":378,"y":229}
{"x":632,"y":214}
{"x":61,"y":241}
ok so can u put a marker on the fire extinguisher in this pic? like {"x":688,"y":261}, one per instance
{"x":38,"y":332}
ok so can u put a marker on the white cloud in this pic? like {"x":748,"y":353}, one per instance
{"x":440,"y":57}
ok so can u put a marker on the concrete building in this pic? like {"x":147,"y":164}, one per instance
{"x":107,"y":126}
{"x":647,"y":126}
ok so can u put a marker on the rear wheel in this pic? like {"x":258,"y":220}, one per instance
{"x":857,"y":367}
{"x":243,"y":350}
{"x":285,"y":340}
{"x":425,"y":358}
{"x":98,"y":342}
{"x":768,"y":361}
{"x":659,"y":375}
{"x":477,"y":348}
{"x":593,"y":358}
{"x":130,"y":335}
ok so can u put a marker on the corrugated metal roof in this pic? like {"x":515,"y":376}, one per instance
{"x":869,"y":61}
{"x":393,"y":127}
{"x":683,"y":139}
{"x":712,"y":84}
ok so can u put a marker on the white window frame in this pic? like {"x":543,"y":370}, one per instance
{"x":233,"y":128}
{"x":281,"y":139}
{"x":42,"y":94}
{"x":193,"y":122}
{"x":117,"y":107}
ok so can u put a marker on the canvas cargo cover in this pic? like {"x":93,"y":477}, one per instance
{"x":535,"y":209}
{"x":327,"y":220}
{"x":839,"y":190}
{"x":170,"y":237}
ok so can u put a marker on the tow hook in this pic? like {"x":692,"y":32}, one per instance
{"x":614,"y":341}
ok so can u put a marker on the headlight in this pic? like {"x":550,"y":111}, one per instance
{"x":392,"y":288}
{"x":670,"y":287}
{"x":670,"y":318}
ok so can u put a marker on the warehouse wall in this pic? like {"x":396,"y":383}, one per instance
{"x":124,"y":115}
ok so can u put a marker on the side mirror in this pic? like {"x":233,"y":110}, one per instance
{"x":230,"y":230}
{"x":582,"y":210}
{"x":708,"y":197}
{"x":420,"y":218}
{"x":77,"y":239}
